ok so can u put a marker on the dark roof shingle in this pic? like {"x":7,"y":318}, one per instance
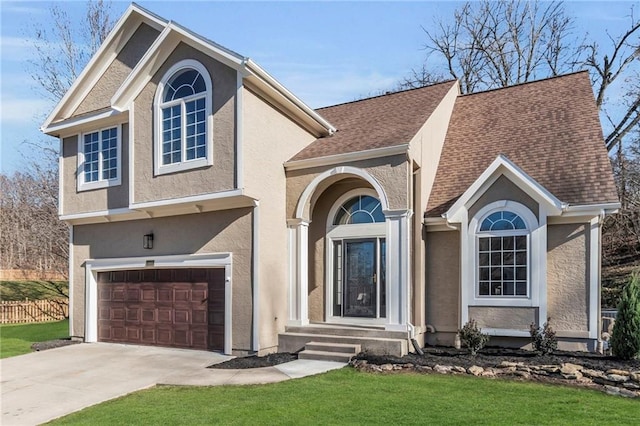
{"x":377,"y":122}
{"x":549,"y":128}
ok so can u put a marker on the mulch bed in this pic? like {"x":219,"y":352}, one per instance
{"x":489,"y":357}
{"x":51,"y":344}
{"x":256,"y":361}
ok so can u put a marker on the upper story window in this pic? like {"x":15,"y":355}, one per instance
{"x":99,"y":159}
{"x":183,"y":116}
{"x":359,"y":209}
{"x":503,"y":255}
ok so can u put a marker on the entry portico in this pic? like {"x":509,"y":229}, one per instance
{"x":365,"y":261}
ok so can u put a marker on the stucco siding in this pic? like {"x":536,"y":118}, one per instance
{"x":215,"y":178}
{"x":100,"y":95}
{"x":215,"y":232}
{"x":568,"y":277}
{"x":393,"y":173}
{"x":503,"y":317}
{"x":113,"y":197}
{"x":442,"y":280}
{"x":269,"y":139}
{"x":504,"y":189}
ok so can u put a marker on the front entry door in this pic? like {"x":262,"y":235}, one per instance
{"x":360,"y":295}
{"x":360,"y":278}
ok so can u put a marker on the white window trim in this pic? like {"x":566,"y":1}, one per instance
{"x":100,"y":183}
{"x":158,"y":167}
{"x":352,"y":231}
{"x":534,"y":258}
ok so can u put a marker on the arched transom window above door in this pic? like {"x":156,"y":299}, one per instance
{"x":359,"y":209}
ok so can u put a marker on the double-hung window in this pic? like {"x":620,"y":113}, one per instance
{"x":183,"y":110}
{"x":99,"y":159}
{"x":503,"y":256}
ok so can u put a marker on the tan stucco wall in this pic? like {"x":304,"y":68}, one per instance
{"x":113,"y":197}
{"x":218,"y":177}
{"x":504,"y":189}
{"x":567,"y":277}
{"x":442,"y":281}
{"x":393,"y":173}
{"x":269,"y":139}
{"x":100,"y":95}
{"x":503,"y":317}
{"x":223,"y":231}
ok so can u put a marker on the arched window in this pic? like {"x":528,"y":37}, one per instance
{"x":359,"y":209}
{"x":503,"y":255}
{"x":183,"y":108}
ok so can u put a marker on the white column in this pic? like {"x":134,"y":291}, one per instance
{"x":298,"y":272}
{"x":398,"y":269}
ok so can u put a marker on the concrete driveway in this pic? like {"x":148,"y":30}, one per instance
{"x":41,"y":386}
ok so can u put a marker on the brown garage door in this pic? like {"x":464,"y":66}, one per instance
{"x":181,"y":308}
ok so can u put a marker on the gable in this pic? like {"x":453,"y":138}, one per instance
{"x":99,"y":97}
{"x":550,"y":129}
{"x":503,"y":189}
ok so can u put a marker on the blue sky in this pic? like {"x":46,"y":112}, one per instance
{"x":325,"y":52}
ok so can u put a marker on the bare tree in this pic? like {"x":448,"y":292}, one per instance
{"x":62,"y":50}
{"x":31,"y":236}
{"x":497,"y":44}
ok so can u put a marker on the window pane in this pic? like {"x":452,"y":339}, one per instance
{"x":90,"y":148}
{"x":483,"y":244}
{"x":109,"y":153}
{"x":483,"y":259}
{"x":483,"y":289}
{"x":361,"y":217}
{"x":521,"y":242}
{"x":521,"y":258}
{"x":508,"y":273}
{"x":496,"y":259}
{"x":496,"y":274}
{"x":521,"y":273}
{"x":501,"y":225}
{"x":508,"y":288}
{"x":171,"y":135}
{"x":484,"y":274}
{"x":521,"y":288}
{"x":496,"y":244}
{"x":507,"y":243}
{"x":496,"y":289}
{"x":360,"y":209}
{"x":508,"y":258}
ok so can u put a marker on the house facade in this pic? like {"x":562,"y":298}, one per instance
{"x":210,"y":208}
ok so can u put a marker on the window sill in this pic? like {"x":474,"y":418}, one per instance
{"x":181,"y":167}
{"x":89,"y":186}
{"x":503,"y":301}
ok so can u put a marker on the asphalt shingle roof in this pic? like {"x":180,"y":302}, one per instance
{"x":378,"y":122}
{"x":549,"y":128}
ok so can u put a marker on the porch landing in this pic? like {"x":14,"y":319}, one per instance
{"x":371,"y":339}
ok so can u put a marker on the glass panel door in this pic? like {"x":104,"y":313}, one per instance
{"x":359,"y":285}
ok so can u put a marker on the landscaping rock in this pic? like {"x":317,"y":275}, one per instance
{"x":458,"y":369}
{"x":617,"y":378}
{"x":442,"y":369}
{"x":612,"y":390}
{"x":635,"y":376}
{"x":618,"y":372}
{"x":568,"y":368}
{"x":475,"y":370}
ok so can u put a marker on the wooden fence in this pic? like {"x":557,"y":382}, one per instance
{"x":26,"y":311}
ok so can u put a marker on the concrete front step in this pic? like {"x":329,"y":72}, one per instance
{"x":345,"y":348}
{"x":325,"y":356}
{"x":340,"y":330}
{"x":295,"y":342}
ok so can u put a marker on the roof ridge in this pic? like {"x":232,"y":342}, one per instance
{"x":386,"y":94}
{"x":553,"y":77}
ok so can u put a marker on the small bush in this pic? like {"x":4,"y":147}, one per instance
{"x":472,"y":337}
{"x":543,"y":339}
{"x":625,"y":338}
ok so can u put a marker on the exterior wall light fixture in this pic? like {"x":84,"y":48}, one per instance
{"x":147,"y":241}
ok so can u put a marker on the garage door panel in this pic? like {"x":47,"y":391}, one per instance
{"x":133,"y":314}
{"x":149,"y":315}
{"x":165,"y":315}
{"x":181,"y":316}
{"x":179,"y":308}
{"x":148,"y":336}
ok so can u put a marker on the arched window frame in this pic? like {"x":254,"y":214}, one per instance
{"x":534,"y":256}
{"x":159,"y":104}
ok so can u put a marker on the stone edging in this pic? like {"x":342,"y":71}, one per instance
{"x":614,"y":382}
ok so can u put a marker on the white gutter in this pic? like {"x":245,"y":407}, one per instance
{"x":256,"y":70}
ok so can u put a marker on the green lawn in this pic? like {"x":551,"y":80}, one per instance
{"x":346,"y":396}
{"x":16,"y":339}
{"x":33,"y":290}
